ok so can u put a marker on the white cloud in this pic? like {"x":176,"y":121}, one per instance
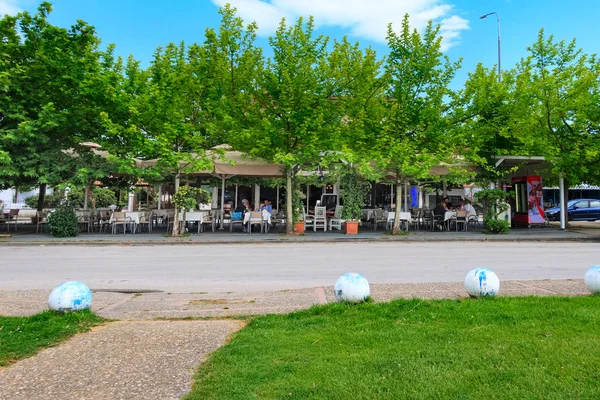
{"x":9,"y":7}
{"x":363,"y":18}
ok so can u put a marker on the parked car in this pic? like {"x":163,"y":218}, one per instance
{"x":577,"y":210}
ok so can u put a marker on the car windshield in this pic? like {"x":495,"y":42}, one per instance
{"x":571,"y":203}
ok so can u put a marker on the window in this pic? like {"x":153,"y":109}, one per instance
{"x":582,"y":204}
{"x":595,"y":204}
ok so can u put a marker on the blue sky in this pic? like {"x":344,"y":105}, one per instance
{"x":138,"y":27}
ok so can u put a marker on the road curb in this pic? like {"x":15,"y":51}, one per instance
{"x":184,"y":242}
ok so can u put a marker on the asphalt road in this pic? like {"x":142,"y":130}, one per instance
{"x":257,"y":267}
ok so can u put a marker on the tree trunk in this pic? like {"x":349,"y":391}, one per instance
{"x":183,"y":220}
{"x":396,"y":229}
{"x":86,"y":194}
{"x":288,"y":205}
{"x":41,"y":197}
{"x":175,"y":231}
{"x":92,"y":197}
{"x":566,"y":202}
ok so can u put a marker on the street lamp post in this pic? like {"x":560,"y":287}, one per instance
{"x":499,"y":58}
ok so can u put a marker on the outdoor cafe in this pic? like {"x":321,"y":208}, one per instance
{"x":248,"y":196}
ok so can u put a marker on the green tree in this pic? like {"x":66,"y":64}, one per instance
{"x":486,"y":110}
{"x":299,"y":102}
{"x":46,"y":97}
{"x":165,"y":113}
{"x":235,"y":65}
{"x":557,"y":95}
{"x":412,"y":134}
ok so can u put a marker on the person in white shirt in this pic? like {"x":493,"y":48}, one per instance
{"x":466,"y":206}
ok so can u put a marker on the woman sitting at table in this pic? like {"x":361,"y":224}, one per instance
{"x":243,"y":207}
{"x":266,"y":206}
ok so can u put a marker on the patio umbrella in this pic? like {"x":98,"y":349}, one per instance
{"x":228,"y":163}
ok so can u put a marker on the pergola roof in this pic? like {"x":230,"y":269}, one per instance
{"x":230,"y":162}
{"x":526,"y":165}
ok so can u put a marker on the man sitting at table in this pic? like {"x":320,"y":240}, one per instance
{"x":266,"y":206}
{"x":466,"y":206}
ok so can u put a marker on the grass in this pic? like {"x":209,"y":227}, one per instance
{"x":22,"y":337}
{"x":497,"y":348}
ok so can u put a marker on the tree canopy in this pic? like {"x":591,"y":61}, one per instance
{"x":313,"y":102}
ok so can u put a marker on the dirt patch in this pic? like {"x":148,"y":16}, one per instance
{"x":220,"y":301}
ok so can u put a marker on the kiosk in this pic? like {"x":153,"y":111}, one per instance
{"x":529,"y":198}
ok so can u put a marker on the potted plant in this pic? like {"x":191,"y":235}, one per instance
{"x":297,"y":214}
{"x":353,"y":197}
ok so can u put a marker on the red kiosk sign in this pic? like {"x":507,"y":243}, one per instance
{"x":529,"y":200}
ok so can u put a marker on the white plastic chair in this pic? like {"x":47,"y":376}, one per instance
{"x":461,"y":219}
{"x":120,"y":218}
{"x":255,"y":219}
{"x":336,"y":221}
{"x":390,"y":220}
{"x":379,"y":217}
{"x":320,"y":218}
{"x":309,"y":220}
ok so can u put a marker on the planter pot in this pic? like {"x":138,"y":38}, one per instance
{"x":299,"y":227}
{"x":351,"y":227}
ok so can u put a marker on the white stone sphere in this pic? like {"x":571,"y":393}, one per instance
{"x":70,"y":296}
{"x":592,"y":279}
{"x":481,"y":282}
{"x":351,"y":288}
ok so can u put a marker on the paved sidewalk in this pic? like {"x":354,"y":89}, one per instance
{"x":132,"y":360}
{"x":535,"y":234}
{"x":148,"y":306}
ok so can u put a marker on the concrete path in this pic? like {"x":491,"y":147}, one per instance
{"x":149,"y":306}
{"x":272,"y":267}
{"x":133,"y":360}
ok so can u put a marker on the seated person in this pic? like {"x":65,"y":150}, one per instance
{"x":440,"y":209}
{"x":243,"y":207}
{"x":266,"y":206}
{"x":448,"y":204}
{"x":466,"y":206}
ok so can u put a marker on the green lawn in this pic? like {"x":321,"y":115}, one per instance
{"x":500,"y":348}
{"x":22,"y":337}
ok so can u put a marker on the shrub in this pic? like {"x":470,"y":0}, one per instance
{"x":493,"y":202}
{"x":63,"y":222}
{"x":353,"y":194}
{"x":494,"y":225}
{"x":297,"y":205}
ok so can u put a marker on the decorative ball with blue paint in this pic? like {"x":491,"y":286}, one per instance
{"x":592,"y":279}
{"x":351,"y":288}
{"x":70,"y":296}
{"x":481,"y":282}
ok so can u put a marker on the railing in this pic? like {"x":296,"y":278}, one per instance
{"x":10,"y":205}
